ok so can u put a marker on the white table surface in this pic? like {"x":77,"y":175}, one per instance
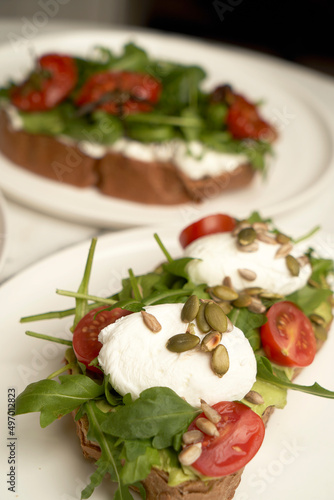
{"x":32,"y":235}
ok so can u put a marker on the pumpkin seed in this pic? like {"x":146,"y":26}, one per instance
{"x":192,"y":437}
{"x":182,"y":342}
{"x":246,"y":236}
{"x":244,"y":300}
{"x":215,"y":317}
{"x":151,"y":322}
{"x":224,"y":292}
{"x":270,"y":295}
{"x":282,"y":239}
{"x":206,"y":426}
{"x":292,"y":265}
{"x":190,"y":454}
{"x":210,"y":341}
{"x":220,"y":362}
{"x":253,"y":290}
{"x":190,"y":309}
{"x":247,"y":274}
{"x":210,"y":412}
{"x":283,"y":250}
{"x":254,"y":397}
{"x":201,"y":322}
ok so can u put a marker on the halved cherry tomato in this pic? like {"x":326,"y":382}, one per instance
{"x":241,"y":432}
{"x":120,"y":92}
{"x":218,"y":223}
{"x":85,"y":336}
{"x":50,"y":83}
{"x":288,"y":337}
{"x":244,"y":121}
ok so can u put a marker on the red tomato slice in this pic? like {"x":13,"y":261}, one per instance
{"x":50,"y":83}
{"x":120,"y":92}
{"x":241,"y":432}
{"x":244,"y":121}
{"x":288,"y":337}
{"x":218,"y":223}
{"x":85,"y":336}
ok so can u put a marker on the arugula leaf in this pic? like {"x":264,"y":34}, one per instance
{"x":158,"y":413}
{"x":320,"y":268}
{"x":81,"y":308}
{"x":266,"y":372}
{"x":248,"y":323}
{"x":53,"y":399}
{"x":109,"y":461}
{"x":309,"y":298}
{"x":178,"y":267}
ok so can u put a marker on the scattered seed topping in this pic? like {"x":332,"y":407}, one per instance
{"x":266,"y":238}
{"x":182,"y":342}
{"x":292,"y":265}
{"x":283,"y":250}
{"x":206,"y":426}
{"x":215,"y":317}
{"x":220,"y":361}
{"x":247,"y":274}
{"x":224,"y":292}
{"x":190,"y":454}
{"x":282,"y":239}
{"x":192,"y":437}
{"x":256,"y":306}
{"x":246,"y":236}
{"x":151,"y":322}
{"x":210,"y":412}
{"x":254,"y":398}
{"x":227,"y":281}
{"x":210,"y":341}
{"x":190,"y":309}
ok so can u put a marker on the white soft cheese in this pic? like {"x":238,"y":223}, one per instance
{"x":197,"y":161}
{"x":219,"y":257}
{"x":192,"y":159}
{"x":137,"y":359}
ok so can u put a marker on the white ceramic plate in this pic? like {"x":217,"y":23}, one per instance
{"x":304,"y":153}
{"x":3,"y":231}
{"x":295,"y":460}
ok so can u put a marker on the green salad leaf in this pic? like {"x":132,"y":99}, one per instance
{"x":158,"y":413}
{"x":249,"y":323}
{"x":53,"y":399}
{"x":266,"y":372}
{"x":309,"y":298}
{"x":110,"y":461}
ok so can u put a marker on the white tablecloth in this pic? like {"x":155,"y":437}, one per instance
{"x":32,"y":235}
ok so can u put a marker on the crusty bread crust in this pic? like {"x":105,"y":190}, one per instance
{"x":153,"y":183}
